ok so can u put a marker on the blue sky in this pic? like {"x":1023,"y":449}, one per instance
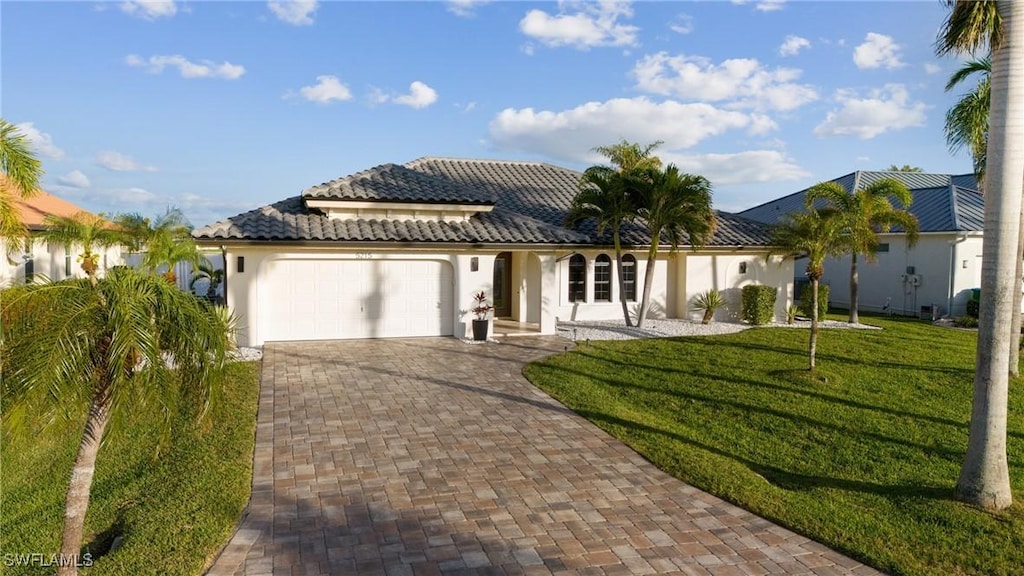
{"x":221,"y":107}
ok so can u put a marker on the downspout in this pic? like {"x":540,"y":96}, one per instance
{"x":952,"y":271}
{"x":224,"y":262}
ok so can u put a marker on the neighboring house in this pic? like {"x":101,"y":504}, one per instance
{"x":935,"y":276}
{"x":36,"y":258}
{"x":399,"y":250}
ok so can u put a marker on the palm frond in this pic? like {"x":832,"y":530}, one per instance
{"x":22,"y":170}
{"x":971,"y":26}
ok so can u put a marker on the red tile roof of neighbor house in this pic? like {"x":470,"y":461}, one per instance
{"x":33,"y":210}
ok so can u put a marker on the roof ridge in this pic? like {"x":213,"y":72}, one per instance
{"x":856,"y":181}
{"x":422,"y":159}
{"x":954,"y":206}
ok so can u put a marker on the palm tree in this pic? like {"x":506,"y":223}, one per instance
{"x":631,"y":156}
{"x":904,"y":168}
{"x":603,"y":196}
{"x":101,"y":347}
{"x":670,"y":204}
{"x":862,"y":215}
{"x":84,"y":229}
{"x":22,"y":172}
{"x":814,"y":234}
{"x":967,"y":120}
{"x":134,"y":228}
{"x":206,"y":271}
{"x":984,"y":478}
{"x":168,"y":242}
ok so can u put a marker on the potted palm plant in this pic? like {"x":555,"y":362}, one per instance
{"x":481,"y":323}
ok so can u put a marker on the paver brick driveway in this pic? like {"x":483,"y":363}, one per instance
{"x":428,"y":456}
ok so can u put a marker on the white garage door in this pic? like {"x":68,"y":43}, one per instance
{"x":338,"y":299}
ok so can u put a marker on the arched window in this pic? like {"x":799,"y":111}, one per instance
{"x":603,"y":279}
{"x":577,"y":278}
{"x":629,"y":277}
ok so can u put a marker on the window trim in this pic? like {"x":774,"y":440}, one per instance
{"x":604,"y":261}
{"x":577,"y":267}
{"x":629,"y":286}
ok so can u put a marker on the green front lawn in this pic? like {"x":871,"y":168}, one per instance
{"x":175,"y":509}
{"x":865,"y":462}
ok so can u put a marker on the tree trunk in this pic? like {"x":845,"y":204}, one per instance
{"x":984,"y":478}
{"x":854,"y":279}
{"x":813,"y":345}
{"x":645,"y":303}
{"x":622,"y":285}
{"x":1018,"y":287}
{"x":77,"y":500}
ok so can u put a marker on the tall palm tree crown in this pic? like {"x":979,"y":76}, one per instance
{"x":84,"y":229}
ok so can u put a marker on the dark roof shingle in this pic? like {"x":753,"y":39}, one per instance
{"x":530,"y":202}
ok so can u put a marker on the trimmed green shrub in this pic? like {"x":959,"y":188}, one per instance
{"x":965,"y":322}
{"x":805,"y":301}
{"x":972,"y":308}
{"x":758,"y":304}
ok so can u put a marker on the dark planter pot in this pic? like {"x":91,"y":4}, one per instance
{"x":480,"y":329}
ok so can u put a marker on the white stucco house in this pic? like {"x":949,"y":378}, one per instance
{"x":36,"y":259}
{"x":936,"y":276}
{"x":399,"y":250}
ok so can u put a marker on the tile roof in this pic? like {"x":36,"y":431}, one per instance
{"x":394,"y":183}
{"x":530,"y":202}
{"x":32,"y":211}
{"x":942,"y":202}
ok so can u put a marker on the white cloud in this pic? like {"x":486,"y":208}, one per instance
{"x":420,"y":96}
{"x":763,"y":5}
{"x":294,"y":12}
{"x":752,"y":166}
{"x":793,"y":45}
{"x":118,"y":162}
{"x":682,"y":24}
{"x":132,"y":195}
{"x":75,"y":179}
{"x":41,"y":141}
{"x":743,"y":82}
{"x":469,"y":107}
{"x":582,"y":25}
{"x":377,"y":96}
{"x":877,"y":51}
{"x":187,"y":69}
{"x":932,"y":68}
{"x":150,"y":9}
{"x":884,"y":109}
{"x":326,"y":90}
{"x":465,"y":8}
{"x":571,"y":134}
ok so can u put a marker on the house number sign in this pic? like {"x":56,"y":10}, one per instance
{"x":364,"y":255}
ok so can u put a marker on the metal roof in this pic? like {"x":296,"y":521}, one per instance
{"x":942,"y":202}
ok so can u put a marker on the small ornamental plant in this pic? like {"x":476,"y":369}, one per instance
{"x":482,"y":307}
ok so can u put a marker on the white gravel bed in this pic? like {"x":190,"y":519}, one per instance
{"x":668,"y":328}
{"x":245,"y":354}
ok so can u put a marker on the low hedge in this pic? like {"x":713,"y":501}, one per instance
{"x":805,"y":301}
{"x":758,"y":304}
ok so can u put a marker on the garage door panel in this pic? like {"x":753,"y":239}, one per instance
{"x":340,"y":299}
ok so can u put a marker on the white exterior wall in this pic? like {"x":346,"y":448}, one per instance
{"x":722,"y":271}
{"x":948,"y":264}
{"x":612,"y":310}
{"x":49,"y":261}
{"x":245,"y":297}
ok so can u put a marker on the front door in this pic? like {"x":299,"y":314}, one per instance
{"x":502,"y":294}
